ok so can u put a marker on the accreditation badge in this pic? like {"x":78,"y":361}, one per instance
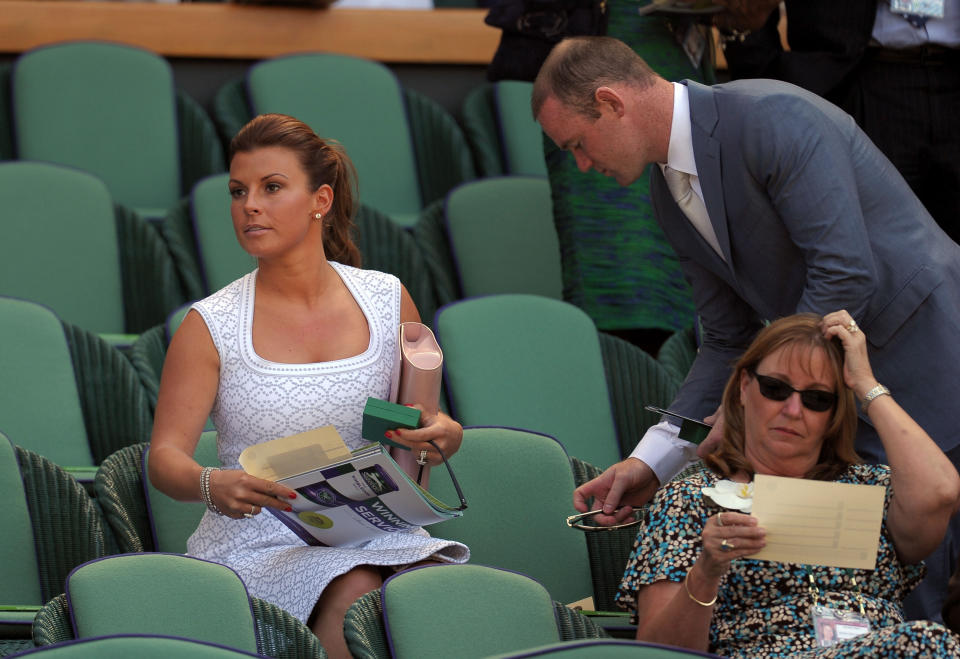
{"x":835,"y":625}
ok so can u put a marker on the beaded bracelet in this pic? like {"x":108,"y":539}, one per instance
{"x":205,"y":489}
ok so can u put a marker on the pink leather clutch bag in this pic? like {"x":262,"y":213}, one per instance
{"x":421,"y":366}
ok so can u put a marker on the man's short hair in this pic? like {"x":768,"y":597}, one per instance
{"x":577,"y":66}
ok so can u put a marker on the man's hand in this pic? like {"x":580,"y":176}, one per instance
{"x":712,"y":441}
{"x":744,"y":14}
{"x":627,"y":483}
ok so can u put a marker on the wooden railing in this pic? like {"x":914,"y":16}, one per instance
{"x":240,"y":31}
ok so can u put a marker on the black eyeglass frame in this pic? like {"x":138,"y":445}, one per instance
{"x":456,"y":483}
{"x":772,"y":388}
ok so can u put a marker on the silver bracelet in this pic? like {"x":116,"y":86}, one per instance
{"x":205,"y":489}
{"x":879,"y":390}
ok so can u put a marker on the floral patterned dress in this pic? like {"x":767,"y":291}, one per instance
{"x":763,"y":608}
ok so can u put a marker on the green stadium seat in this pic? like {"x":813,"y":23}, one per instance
{"x":112,"y":110}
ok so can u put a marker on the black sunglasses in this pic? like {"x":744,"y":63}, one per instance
{"x":815,"y":400}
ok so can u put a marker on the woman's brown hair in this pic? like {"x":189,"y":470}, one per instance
{"x":324,"y":161}
{"x":797,"y":332}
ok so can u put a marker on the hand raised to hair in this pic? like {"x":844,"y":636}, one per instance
{"x":857,"y":373}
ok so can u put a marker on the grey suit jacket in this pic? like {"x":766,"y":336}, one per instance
{"x":810,"y":216}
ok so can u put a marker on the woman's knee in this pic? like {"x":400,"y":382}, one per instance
{"x":351,"y":585}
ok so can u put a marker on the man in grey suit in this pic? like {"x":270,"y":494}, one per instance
{"x":786,"y":207}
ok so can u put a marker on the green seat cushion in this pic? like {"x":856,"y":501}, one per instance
{"x":172,"y":522}
{"x":41,"y":407}
{"x":479,"y":214}
{"x":531,"y":468}
{"x":222,"y":260}
{"x":161,"y":594}
{"x":474,"y":611}
{"x":140,"y":646}
{"x":60,"y":244}
{"x":360,"y":104}
{"x":18,"y":554}
{"x":531,"y":362}
{"x":106,"y":108}
{"x":520,"y":135}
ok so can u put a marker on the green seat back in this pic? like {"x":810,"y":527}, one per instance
{"x":174,"y":319}
{"x":602,"y":649}
{"x":360,"y":104}
{"x":530,"y":468}
{"x":109,"y":109}
{"x":221,"y":258}
{"x":142,"y":647}
{"x":161,"y":594}
{"x":18,"y":554}
{"x":520,"y":136}
{"x":482,"y":132}
{"x":527,"y":361}
{"x":171,"y":521}
{"x":60,"y":244}
{"x":481,"y":213}
{"x":480,"y":610}
{"x":40,"y":407}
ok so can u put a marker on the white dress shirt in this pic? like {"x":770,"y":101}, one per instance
{"x":680,"y":157}
{"x":660,"y":446}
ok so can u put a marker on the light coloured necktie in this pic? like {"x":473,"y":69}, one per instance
{"x":692,"y":205}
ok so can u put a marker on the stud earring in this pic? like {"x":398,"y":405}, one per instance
{"x":319,"y":216}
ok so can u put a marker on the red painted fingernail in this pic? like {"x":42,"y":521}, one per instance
{"x":293,"y":495}
{"x":388,"y":434}
{"x":408,"y":404}
{"x":288,"y":509}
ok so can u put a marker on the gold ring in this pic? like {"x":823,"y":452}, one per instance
{"x":727,"y":546}
{"x":422,"y":460}
{"x":852,"y":327}
{"x":719,"y":519}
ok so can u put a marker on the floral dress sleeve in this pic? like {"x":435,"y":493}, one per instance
{"x":670,"y":541}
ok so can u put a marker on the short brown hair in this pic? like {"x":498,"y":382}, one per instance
{"x":577,"y":66}
{"x":324,"y":161}
{"x":800,"y":331}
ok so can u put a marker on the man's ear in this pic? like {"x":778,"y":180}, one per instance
{"x":606,"y":96}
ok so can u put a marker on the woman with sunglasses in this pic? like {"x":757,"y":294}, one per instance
{"x":790,"y":411}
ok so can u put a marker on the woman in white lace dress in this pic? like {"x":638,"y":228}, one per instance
{"x":298,"y":343}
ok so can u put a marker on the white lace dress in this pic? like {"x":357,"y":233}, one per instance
{"x":258,"y":400}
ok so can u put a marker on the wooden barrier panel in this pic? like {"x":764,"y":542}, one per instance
{"x":233,"y":31}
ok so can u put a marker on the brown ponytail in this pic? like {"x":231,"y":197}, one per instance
{"x":325,"y":162}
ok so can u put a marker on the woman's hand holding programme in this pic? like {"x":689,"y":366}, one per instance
{"x":726,"y":536}
{"x":238,"y":494}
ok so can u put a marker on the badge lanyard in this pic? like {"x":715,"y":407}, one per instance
{"x":834,"y":625}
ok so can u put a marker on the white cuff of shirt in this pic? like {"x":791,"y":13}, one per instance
{"x":665,"y":453}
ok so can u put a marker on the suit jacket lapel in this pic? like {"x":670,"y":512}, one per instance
{"x":706,"y":152}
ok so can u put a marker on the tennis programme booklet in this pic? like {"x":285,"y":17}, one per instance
{"x":344,"y":497}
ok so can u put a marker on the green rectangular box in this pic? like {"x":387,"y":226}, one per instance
{"x":379,"y":416}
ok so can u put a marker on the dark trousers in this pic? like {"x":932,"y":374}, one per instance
{"x":908,"y":103}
